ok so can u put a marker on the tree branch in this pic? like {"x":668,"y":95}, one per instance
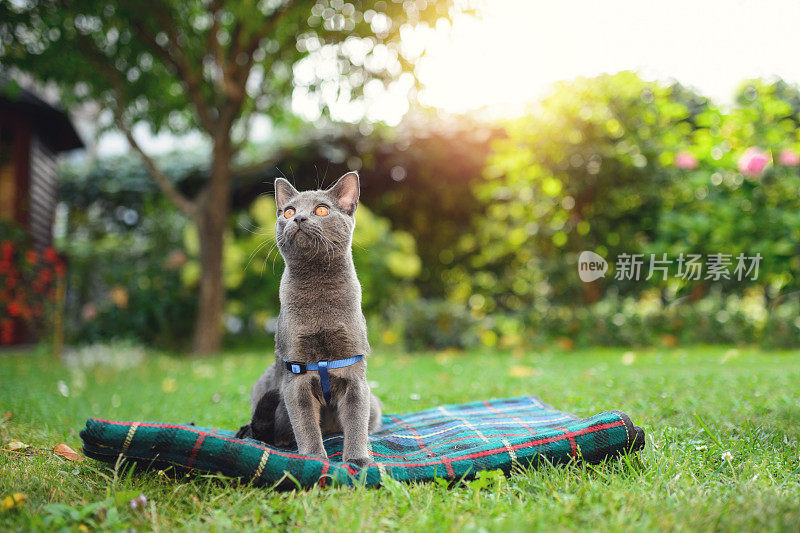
{"x":174,"y":56}
{"x":212,"y":43}
{"x":242,"y":72}
{"x":117,"y":86}
{"x":268,"y":26}
{"x":161,"y":179}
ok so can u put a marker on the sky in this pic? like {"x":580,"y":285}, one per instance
{"x":522,"y":46}
{"x":517,"y":49}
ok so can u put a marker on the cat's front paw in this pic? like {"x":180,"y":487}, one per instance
{"x":360,"y":462}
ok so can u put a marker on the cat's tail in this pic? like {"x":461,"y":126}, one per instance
{"x":262,"y":426}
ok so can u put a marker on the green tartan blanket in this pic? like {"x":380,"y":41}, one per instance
{"x":448,"y":442}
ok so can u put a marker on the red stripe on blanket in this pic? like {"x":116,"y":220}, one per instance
{"x":445,"y":443}
{"x":448,"y":460}
{"x":325,"y":466}
{"x":350,"y":470}
{"x":193,"y":454}
{"x":572,"y":443}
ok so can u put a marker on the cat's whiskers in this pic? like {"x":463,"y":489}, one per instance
{"x":251,"y":231}
{"x":329,"y":248}
{"x":319,"y":239}
{"x":254,"y":252}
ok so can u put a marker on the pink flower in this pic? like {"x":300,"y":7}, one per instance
{"x":686,"y":161}
{"x":753,"y":161}
{"x":789,"y":158}
{"x":89,"y":312}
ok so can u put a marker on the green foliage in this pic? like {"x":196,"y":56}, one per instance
{"x":421,"y":179}
{"x":718,"y":208}
{"x":182,"y":65}
{"x":124,"y":181}
{"x":601,"y":165}
{"x":630,"y":321}
{"x":579,"y":173}
{"x":125,"y":281}
{"x":101,"y":514}
{"x":433,"y":200}
{"x":644,"y":320}
{"x":434,"y":324}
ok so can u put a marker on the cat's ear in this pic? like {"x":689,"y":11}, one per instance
{"x":283,"y":192}
{"x":346,"y":192}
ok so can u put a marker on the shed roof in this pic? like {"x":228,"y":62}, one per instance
{"x":51,"y":124}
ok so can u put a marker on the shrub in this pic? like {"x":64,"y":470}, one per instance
{"x":435,"y":324}
{"x":125,"y":283}
{"x":581,"y":173}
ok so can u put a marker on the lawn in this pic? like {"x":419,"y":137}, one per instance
{"x":723,"y":427}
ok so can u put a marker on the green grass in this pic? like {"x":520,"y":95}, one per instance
{"x":697,"y":404}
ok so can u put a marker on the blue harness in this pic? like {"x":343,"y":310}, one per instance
{"x":322,"y":367}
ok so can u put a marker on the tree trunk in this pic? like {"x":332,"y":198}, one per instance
{"x":211,"y":223}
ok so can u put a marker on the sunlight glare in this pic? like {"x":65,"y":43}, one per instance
{"x":517,"y":49}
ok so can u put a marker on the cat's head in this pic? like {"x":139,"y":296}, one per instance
{"x":316,"y":225}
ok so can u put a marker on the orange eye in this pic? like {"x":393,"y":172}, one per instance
{"x":321,"y":211}
{"x":289,"y":213}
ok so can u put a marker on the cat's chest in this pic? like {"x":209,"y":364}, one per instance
{"x":327,"y":344}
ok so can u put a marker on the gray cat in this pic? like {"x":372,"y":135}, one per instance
{"x":309,"y":392}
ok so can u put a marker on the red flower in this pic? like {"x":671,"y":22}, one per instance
{"x":60,"y":270}
{"x":50,"y":254}
{"x":24,"y":311}
{"x":13,"y":309}
{"x":45,"y":276}
{"x":6,"y":331}
{"x":11,"y":282}
{"x":31,"y":256}
{"x":7,"y":250}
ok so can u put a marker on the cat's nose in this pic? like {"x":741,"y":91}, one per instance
{"x":300,"y":218}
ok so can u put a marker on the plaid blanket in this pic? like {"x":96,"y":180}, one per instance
{"x":448,"y":442}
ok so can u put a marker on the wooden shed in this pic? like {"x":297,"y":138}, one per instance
{"x":32,"y":133}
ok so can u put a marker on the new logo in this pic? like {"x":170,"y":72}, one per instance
{"x":591,"y":266}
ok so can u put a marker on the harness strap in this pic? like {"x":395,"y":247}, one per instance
{"x":322,"y":367}
{"x":323,"y":379}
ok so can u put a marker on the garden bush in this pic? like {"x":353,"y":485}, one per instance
{"x":616,"y":320}
{"x":617,"y":165}
{"x":432,"y":324}
{"x":124,"y":282}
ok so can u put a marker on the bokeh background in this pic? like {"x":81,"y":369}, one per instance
{"x":495,"y":141}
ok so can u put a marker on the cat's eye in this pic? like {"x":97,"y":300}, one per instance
{"x":289,"y":213}
{"x":321,"y":211}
